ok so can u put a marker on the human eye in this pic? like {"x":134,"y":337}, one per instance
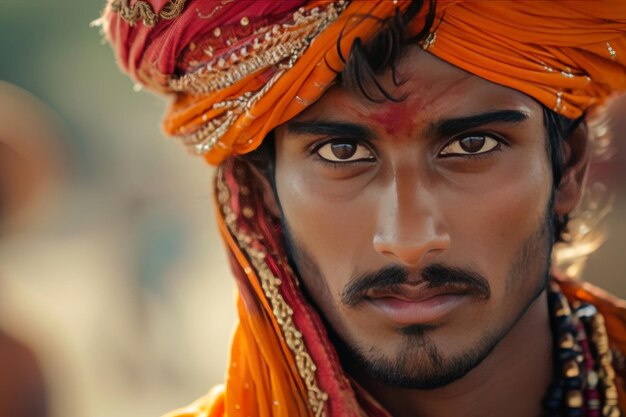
{"x":343,"y":151}
{"x":474,"y":144}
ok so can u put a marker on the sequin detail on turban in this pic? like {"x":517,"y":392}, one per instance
{"x":237,"y":69}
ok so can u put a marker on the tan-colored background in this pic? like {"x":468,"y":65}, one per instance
{"x":118,"y":282}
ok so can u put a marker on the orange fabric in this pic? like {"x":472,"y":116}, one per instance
{"x":262,"y":377}
{"x":542,"y":48}
{"x":261,"y":371}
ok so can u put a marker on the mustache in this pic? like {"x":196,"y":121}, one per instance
{"x":436,"y":275}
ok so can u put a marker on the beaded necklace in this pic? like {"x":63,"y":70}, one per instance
{"x":584,"y":380}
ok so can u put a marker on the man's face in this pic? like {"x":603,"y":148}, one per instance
{"x":420,"y":229}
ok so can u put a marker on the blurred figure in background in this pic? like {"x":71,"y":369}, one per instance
{"x":30,"y":157}
{"x":29,"y":166}
{"x":22,"y":388}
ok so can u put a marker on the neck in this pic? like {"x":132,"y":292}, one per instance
{"x":512,"y":381}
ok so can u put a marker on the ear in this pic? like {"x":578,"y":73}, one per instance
{"x":269,"y":196}
{"x":575,"y":164}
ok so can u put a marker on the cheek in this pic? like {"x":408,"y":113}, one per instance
{"x":500,"y":214}
{"x":335,"y":232}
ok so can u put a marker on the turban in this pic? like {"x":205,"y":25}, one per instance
{"x":237,"y":69}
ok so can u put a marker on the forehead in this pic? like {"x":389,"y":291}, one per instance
{"x":430,"y":89}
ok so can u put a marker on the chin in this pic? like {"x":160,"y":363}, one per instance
{"x":421,"y":357}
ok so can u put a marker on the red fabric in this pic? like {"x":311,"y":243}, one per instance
{"x":151,"y":54}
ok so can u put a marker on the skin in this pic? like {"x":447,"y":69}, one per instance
{"x":411,"y":198}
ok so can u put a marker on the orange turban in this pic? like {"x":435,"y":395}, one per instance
{"x":237,"y":69}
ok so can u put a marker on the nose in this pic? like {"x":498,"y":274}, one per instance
{"x":410,"y":228}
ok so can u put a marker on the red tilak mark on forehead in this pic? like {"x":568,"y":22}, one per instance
{"x":396,"y":119}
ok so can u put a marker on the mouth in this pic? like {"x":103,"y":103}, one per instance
{"x":410,"y":304}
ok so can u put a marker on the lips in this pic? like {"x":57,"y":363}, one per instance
{"x":410,"y":304}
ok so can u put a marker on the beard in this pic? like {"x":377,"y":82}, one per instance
{"x":418,"y":362}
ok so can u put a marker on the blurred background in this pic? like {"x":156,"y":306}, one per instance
{"x":115,"y":295}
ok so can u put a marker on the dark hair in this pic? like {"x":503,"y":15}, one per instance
{"x":558,"y":128}
{"x":366,"y":61}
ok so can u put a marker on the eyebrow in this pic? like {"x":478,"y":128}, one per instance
{"x":330,"y":128}
{"x":450,"y":127}
{"x":446,"y":127}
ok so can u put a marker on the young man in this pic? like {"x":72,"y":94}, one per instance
{"x":392,"y":179}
